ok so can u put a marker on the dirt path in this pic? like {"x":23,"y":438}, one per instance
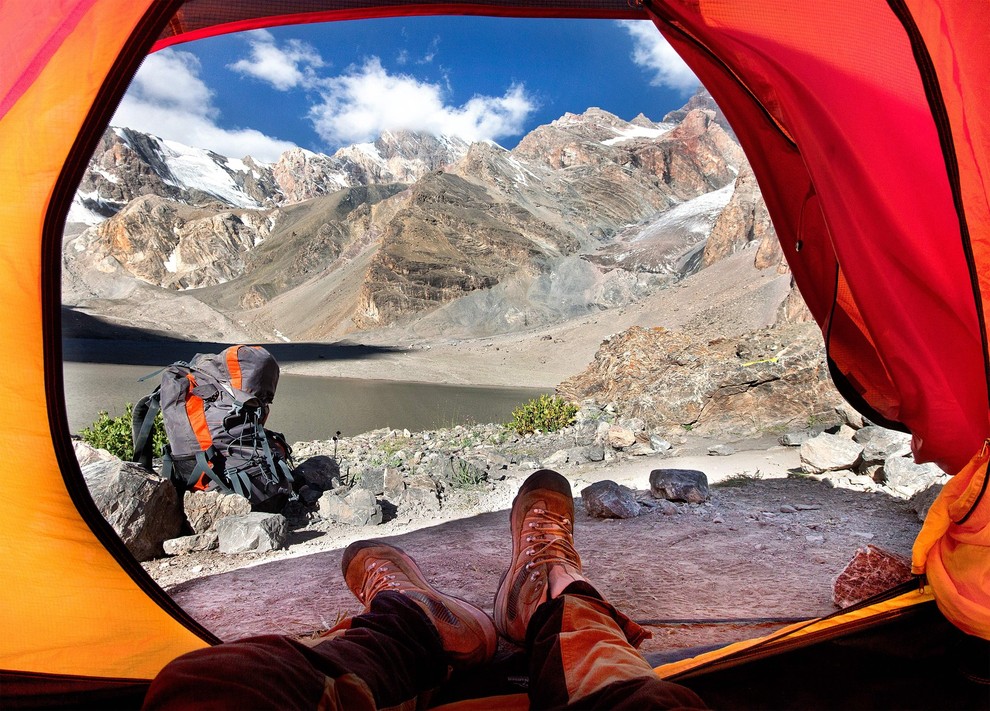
{"x":736,"y":557}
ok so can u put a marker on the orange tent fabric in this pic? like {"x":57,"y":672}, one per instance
{"x":867,"y":123}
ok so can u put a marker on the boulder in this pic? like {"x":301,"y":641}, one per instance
{"x":620,"y":437}
{"x":727,"y":388}
{"x":372,"y":480}
{"x":659,"y":444}
{"x":204,"y":508}
{"x":879,"y":443}
{"x":356,"y":508}
{"x":640,"y":449}
{"x":721,"y":450}
{"x":561,"y":456}
{"x":607,"y":499}
{"x":421,"y":494}
{"x":635,"y":424}
{"x":872,"y":570}
{"x":192,"y":544}
{"x":668,"y":508}
{"x":905,"y":478}
{"x":321,"y":472}
{"x":794,"y":439}
{"x":828,"y":452}
{"x":601,"y":432}
{"x":255,"y":532}
{"x":594,"y":453}
{"x":850,"y":415}
{"x":394,"y":485}
{"x":688,"y":485}
{"x":844,"y":430}
{"x":143,"y":508}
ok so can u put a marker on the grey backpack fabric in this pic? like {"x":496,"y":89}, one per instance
{"x":215,"y":408}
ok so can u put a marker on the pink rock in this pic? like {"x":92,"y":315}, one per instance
{"x":872,"y":570}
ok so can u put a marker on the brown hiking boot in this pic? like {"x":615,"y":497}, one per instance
{"x":467,"y":633}
{"x":544,"y":561}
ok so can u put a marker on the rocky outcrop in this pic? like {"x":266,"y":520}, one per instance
{"x":128,"y":164}
{"x":863,"y":456}
{"x":396,"y":157}
{"x":142,"y":508}
{"x":739,"y":387}
{"x":173,"y":245}
{"x":700,"y":100}
{"x":450,"y":238}
{"x":745,"y":224}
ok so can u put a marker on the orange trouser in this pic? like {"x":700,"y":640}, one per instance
{"x":580,"y":656}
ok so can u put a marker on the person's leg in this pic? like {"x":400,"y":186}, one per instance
{"x":581,"y":655}
{"x":389,"y":656}
{"x":582,"y":650}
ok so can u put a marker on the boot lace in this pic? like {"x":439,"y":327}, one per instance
{"x":551,"y":537}
{"x":378,"y":577}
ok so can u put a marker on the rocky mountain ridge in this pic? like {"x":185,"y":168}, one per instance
{"x":128,"y":164}
{"x":586,"y":213}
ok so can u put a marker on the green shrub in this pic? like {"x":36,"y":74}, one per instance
{"x":114,"y":434}
{"x":546,"y":413}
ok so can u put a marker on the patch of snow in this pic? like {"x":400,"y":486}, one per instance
{"x":696,"y":215}
{"x":78,"y":212}
{"x":172,"y":263}
{"x":632,"y":131}
{"x":122,"y":135}
{"x":521,"y":170}
{"x":238,"y":165}
{"x":281,"y":337}
{"x":338,"y":179}
{"x":109,"y":177}
{"x":369,"y":149}
{"x":193,"y":167}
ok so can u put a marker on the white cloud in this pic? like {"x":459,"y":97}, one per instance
{"x":652,"y":52}
{"x":167,"y":98}
{"x":284,"y":67}
{"x":359,"y":105}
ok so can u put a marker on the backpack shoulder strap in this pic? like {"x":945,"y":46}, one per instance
{"x":142,"y":424}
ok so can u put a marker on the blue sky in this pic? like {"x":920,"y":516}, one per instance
{"x":323,"y":86}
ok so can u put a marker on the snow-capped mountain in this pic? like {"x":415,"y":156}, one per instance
{"x":585,"y":213}
{"x":128,"y":164}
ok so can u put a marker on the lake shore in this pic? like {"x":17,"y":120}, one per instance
{"x":510,"y":361}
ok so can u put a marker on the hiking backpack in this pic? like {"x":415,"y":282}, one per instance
{"x":215,"y":408}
